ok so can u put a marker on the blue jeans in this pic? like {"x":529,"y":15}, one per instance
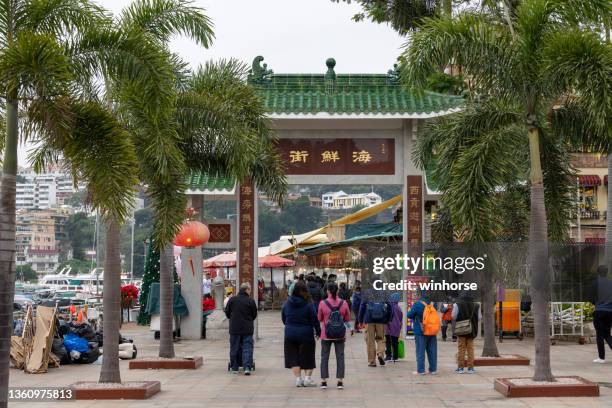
{"x":429,"y":345}
{"x":241,"y":351}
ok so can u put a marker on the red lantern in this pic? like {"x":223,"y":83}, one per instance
{"x":192,"y":234}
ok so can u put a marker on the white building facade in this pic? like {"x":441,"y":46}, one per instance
{"x":341,"y":200}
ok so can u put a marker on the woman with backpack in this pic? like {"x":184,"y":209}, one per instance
{"x":426,"y":325}
{"x":334,"y":315}
{"x":301,"y":327}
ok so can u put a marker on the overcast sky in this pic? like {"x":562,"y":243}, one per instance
{"x":294,"y":36}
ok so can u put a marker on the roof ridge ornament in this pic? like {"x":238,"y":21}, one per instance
{"x":330,"y":76}
{"x":393,"y":75}
{"x":259,"y":74}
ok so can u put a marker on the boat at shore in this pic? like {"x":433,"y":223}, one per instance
{"x":83,"y":285}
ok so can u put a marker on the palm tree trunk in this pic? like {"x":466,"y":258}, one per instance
{"x":112,"y":305}
{"x":538,"y":262}
{"x":7,"y":244}
{"x":489,"y":348}
{"x":166,"y":295}
{"x":609,"y":218}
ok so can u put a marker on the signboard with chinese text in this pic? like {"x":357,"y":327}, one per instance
{"x":414,"y":214}
{"x":246,"y":230}
{"x":360,"y":156}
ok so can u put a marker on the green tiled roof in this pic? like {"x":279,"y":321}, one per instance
{"x":207,"y":182}
{"x":344,"y":93}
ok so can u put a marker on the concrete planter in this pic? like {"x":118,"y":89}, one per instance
{"x":178,"y":363}
{"x":502,"y":360}
{"x":133,"y":390}
{"x":572,"y":386}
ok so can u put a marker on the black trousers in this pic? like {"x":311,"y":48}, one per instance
{"x":392,"y":349}
{"x":602,"y":320}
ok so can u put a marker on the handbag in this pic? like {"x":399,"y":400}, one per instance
{"x":464,"y":327}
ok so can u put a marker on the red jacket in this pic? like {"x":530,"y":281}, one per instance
{"x":208,"y":304}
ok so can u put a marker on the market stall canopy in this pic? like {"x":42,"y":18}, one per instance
{"x":356,"y":233}
{"x":228,"y":260}
{"x":287,"y":244}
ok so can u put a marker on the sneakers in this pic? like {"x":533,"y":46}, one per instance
{"x":234,"y":371}
{"x":299,"y":382}
{"x":381,"y":361}
{"x":460,"y":371}
{"x":340,"y":385}
{"x":417,"y":373}
{"x":471,"y":371}
{"x":323,"y":385}
{"x":308,"y":382}
{"x":433,"y":373}
{"x":388,"y":358}
{"x":599,"y":361}
{"x":247,"y":371}
{"x":372,"y":365}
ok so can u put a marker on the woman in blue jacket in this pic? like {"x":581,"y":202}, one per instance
{"x":423,"y":344}
{"x":301,"y":327}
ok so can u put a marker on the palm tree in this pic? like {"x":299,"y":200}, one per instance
{"x":224,"y":130}
{"x":154,"y":130}
{"x":543,"y":51}
{"x":41,"y":94}
{"x":477,"y":152}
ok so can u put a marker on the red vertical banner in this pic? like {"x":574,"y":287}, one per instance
{"x":246,"y":230}
{"x":414,"y":212}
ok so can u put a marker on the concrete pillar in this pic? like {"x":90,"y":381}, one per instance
{"x":218,"y":290}
{"x":191,"y":289}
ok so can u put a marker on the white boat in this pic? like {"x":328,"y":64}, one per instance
{"x":66,"y":281}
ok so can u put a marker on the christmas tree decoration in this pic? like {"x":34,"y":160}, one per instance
{"x":151,"y":275}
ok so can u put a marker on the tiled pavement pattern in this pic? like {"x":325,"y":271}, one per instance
{"x":272,"y":386}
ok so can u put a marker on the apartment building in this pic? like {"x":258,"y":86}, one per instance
{"x":41,"y":239}
{"x":592,"y":195}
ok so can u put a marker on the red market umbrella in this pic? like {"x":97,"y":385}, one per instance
{"x":274,"y":261}
{"x":224,"y":260}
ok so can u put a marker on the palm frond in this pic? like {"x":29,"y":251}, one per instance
{"x":61,"y":18}
{"x":34,"y":64}
{"x":163,"y":18}
{"x":573,"y":123}
{"x":470,"y":41}
{"x":580,"y":62}
{"x":95,"y":146}
{"x":559,"y":191}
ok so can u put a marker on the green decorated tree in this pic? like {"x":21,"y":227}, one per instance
{"x":151,"y":275}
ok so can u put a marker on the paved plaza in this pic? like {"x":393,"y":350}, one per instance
{"x":273,"y":386}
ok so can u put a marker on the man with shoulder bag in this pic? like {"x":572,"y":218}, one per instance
{"x":465,"y":318}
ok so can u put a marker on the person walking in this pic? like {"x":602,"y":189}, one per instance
{"x":375,"y":313}
{"x":356,"y":304}
{"x":393,"y":329}
{"x":602,"y":316}
{"x":241,"y":311}
{"x":345,"y":294}
{"x":425,"y":343}
{"x":465,"y":317}
{"x":301,"y":328}
{"x":334,"y":315}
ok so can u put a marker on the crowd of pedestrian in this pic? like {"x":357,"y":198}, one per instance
{"x":319,"y":309}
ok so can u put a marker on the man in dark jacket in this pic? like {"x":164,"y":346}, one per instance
{"x":315,"y":290}
{"x":241,"y":311}
{"x":466,"y":309}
